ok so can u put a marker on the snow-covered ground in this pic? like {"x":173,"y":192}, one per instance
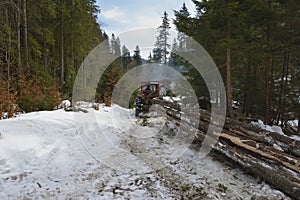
{"x":54,"y":155}
{"x":277,"y":129}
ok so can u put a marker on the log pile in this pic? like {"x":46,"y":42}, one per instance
{"x":272,"y":156}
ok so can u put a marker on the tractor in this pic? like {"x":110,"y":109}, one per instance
{"x":148,"y":91}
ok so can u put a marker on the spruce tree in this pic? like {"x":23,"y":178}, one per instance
{"x":160,"y":53}
{"x":126,"y":58}
{"x":255,"y":45}
{"x":137,"y":56}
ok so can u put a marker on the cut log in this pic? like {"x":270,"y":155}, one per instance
{"x":279,"y":178}
{"x":272,"y":156}
{"x":254,"y":150}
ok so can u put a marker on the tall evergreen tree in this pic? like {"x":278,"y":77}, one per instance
{"x":162,"y":46}
{"x":44,"y":46}
{"x":255,"y":37}
{"x":115,"y":45}
{"x":126,"y":58}
{"x":137,"y":56}
{"x":183,"y":13}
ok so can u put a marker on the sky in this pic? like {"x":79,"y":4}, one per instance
{"x":119,"y":16}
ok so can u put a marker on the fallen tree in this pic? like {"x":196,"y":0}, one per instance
{"x":272,"y":156}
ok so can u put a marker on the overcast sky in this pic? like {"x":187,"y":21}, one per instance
{"x":118,"y":16}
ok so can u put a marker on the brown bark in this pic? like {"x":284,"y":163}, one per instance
{"x":62,"y":73}
{"x":272,"y":156}
{"x":19,"y":35}
{"x":228,"y":74}
{"x":283,"y":87}
{"x":278,"y":177}
{"x":267,"y":90}
{"x":8,"y":53}
{"x":238,"y":142}
{"x":25,"y":30}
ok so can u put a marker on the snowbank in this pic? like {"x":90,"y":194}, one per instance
{"x":261,"y":124}
{"x":42,"y":156}
{"x":275,"y":129}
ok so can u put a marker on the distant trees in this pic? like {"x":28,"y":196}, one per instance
{"x":126,"y":58}
{"x":137,"y":56}
{"x":116,"y":70}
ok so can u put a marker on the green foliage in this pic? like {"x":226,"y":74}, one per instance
{"x":137,"y":56}
{"x":59,"y":36}
{"x":113,"y":72}
{"x":162,"y":46}
{"x":263,"y":37}
{"x":126,"y":58}
{"x":35,"y":92}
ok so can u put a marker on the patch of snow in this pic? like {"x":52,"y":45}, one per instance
{"x":84,"y":104}
{"x":295,"y":137}
{"x":277,"y":147}
{"x":261,"y":124}
{"x":172,"y":99}
{"x":66,"y":103}
{"x":276,"y":129}
{"x":293,"y":124}
{"x":63,"y":104}
{"x":42,"y":157}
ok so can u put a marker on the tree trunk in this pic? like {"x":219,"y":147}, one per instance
{"x":285,"y":92}
{"x":228,"y":74}
{"x":62,"y":74}
{"x":269,"y":155}
{"x":248,"y":92}
{"x":25,"y":31}
{"x":267,"y":90}
{"x":44,"y":42}
{"x":19,"y":36}
{"x":280,"y":178}
{"x":8,"y":48}
{"x":228,"y":81}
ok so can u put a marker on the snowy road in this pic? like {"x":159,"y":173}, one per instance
{"x":43,"y":156}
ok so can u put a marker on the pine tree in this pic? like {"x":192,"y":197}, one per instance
{"x":182,"y":14}
{"x":126,"y":58}
{"x":150,"y":58}
{"x":160,"y":53}
{"x":115,"y":45}
{"x":43,"y":44}
{"x":254,"y":44}
{"x":174,"y":58}
{"x":137,"y":56}
{"x":157,"y":55}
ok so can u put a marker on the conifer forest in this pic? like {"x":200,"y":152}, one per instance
{"x":255,"y":45}
{"x":151,"y":143}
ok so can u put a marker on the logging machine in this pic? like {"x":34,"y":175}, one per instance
{"x":148,"y":91}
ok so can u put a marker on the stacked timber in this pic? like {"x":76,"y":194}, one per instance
{"x":272,"y":156}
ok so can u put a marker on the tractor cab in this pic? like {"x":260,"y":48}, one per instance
{"x":148,"y":91}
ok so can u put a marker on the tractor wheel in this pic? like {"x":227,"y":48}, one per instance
{"x":138,"y":106}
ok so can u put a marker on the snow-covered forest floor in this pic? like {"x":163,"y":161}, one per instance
{"x":43,"y":156}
